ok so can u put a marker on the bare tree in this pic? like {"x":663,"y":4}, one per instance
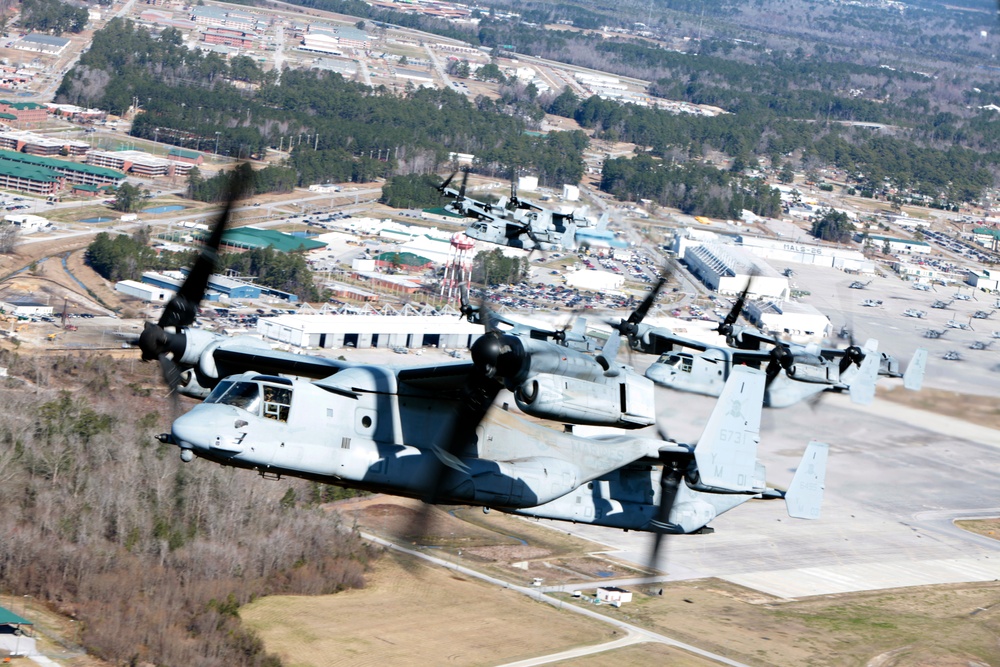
{"x":9,"y":238}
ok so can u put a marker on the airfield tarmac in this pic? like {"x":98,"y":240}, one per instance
{"x":892,"y":491}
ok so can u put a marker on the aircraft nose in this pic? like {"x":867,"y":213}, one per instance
{"x":204,"y":427}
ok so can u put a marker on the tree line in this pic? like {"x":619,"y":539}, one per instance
{"x":52,"y":16}
{"x":151,"y":556}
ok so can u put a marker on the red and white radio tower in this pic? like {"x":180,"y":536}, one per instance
{"x":458,"y":270}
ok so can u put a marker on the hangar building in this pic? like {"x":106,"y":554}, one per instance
{"x":367,"y":331}
{"x":727,"y":269}
{"x":801,"y":322}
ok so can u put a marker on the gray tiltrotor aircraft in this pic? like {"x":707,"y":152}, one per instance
{"x":429,"y":432}
{"x":515,"y":222}
{"x":793,"y":372}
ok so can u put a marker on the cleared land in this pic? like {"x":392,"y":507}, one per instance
{"x":987,"y":527}
{"x":412,"y":614}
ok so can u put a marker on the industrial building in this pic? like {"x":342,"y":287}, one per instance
{"x":144,"y":291}
{"x":25,"y":306}
{"x":986,"y":280}
{"x":801,"y":322}
{"x":222,"y":287}
{"x":366,"y":331}
{"x":728,"y":270}
{"x":27,"y":223}
{"x":595,"y":281}
{"x":330,"y":39}
{"x":47,"y":44}
{"x":844,"y":259}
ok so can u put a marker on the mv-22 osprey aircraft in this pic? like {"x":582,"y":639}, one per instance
{"x":793,"y":372}
{"x":515,"y":222}
{"x":429,"y":432}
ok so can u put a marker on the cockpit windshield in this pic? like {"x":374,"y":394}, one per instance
{"x":679,"y":361}
{"x":247,"y":396}
{"x":243,"y":395}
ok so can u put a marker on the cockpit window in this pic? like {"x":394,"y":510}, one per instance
{"x":277,"y":402}
{"x":243,"y":395}
{"x":681,"y":362}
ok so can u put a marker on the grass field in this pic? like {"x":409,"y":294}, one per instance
{"x":987,"y":527}
{"x":413,"y":614}
{"x":940,"y":626}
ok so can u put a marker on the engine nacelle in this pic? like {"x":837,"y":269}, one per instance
{"x":625,"y":401}
{"x":819,"y":374}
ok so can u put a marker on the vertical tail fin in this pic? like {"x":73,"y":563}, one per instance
{"x":805,"y":495}
{"x":726,"y":454}
{"x":913,"y":376}
{"x":862,"y":386}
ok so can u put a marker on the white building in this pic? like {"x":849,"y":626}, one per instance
{"x":613,"y":595}
{"x":985,"y":280}
{"x":143,"y":291}
{"x":25,"y":307}
{"x":367,"y":331}
{"x":729,"y":269}
{"x":527,"y":183}
{"x":27,"y":223}
{"x":801,"y":322}
{"x":571,"y":193}
{"x":844,"y":259}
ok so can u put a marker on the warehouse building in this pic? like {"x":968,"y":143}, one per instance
{"x":807,"y":253}
{"x":248,"y":238}
{"x":26,"y":306}
{"x":986,"y":280}
{"x":801,"y":322}
{"x":47,"y":44}
{"x":144,"y":291}
{"x":367,"y":331}
{"x":728,"y":270}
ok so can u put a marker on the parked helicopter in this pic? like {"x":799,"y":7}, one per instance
{"x":952,"y":355}
{"x":955,"y":324}
{"x":794,"y":372}
{"x":913,"y":312}
{"x":940,"y":304}
{"x":983,"y":314}
{"x":980,"y":345}
{"x":428,"y":432}
{"x":872,"y":303}
{"x":857,"y":284}
{"x":934,"y":333}
{"x":923,"y":287}
{"x":515,"y":222}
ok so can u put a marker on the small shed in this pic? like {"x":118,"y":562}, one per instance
{"x":613,"y":594}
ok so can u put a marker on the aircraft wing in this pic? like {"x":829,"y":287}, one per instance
{"x":233,"y":359}
{"x":439,"y":377}
{"x":658,"y":340}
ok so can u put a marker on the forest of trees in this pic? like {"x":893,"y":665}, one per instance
{"x":52,"y":16}
{"x":495,"y":268}
{"x":252,"y":182}
{"x":833,"y":225}
{"x":152,"y":557}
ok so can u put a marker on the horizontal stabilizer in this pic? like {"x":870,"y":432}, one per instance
{"x":862,"y":386}
{"x":805,"y":496}
{"x":726,"y":454}
{"x":913,"y":377}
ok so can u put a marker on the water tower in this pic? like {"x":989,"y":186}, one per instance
{"x":458,"y":269}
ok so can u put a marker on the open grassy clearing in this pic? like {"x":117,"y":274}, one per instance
{"x":414,"y":614}
{"x":955,"y":624}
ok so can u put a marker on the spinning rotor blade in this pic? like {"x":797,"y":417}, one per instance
{"x":726,"y":326}
{"x":444,"y":185}
{"x":781,"y":359}
{"x":670,"y":480}
{"x":465,"y":181}
{"x":161,"y":340}
{"x":630,"y":327}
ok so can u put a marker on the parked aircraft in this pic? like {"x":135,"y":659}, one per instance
{"x":941,"y":304}
{"x":872,"y":303}
{"x":952,"y":355}
{"x":857,"y":284}
{"x":983,"y":314}
{"x":955,"y":324}
{"x":980,"y":345}
{"x":913,"y":312}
